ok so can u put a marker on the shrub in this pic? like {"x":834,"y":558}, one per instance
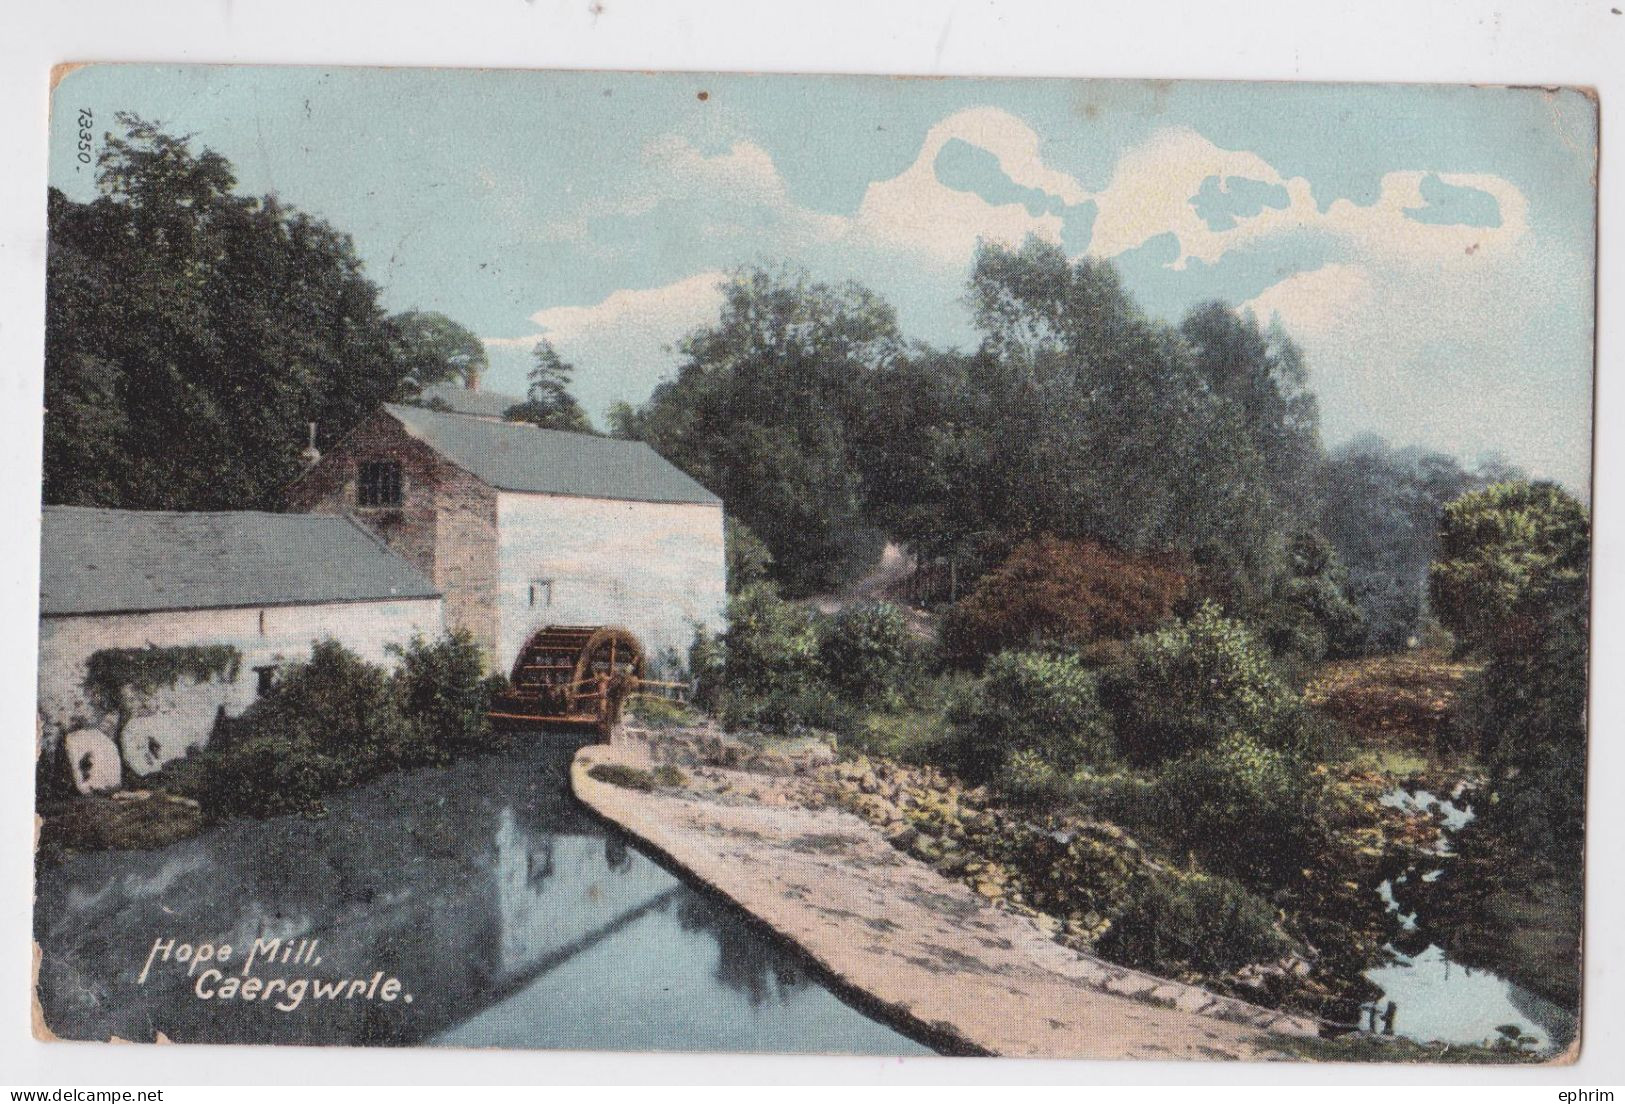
{"x":329,"y":722}
{"x":1249,"y":811}
{"x":1034,"y":702}
{"x":1188,"y":686}
{"x":868,"y":654}
{"x":1213,"y":924}
{"x":1051,"y":591}
{"x":788,"y":711}
{"x":770,"y":647}
{"x":445,"y":691}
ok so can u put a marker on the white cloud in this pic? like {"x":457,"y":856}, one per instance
{"x":916,"y":211}
{"x":621,"y":346}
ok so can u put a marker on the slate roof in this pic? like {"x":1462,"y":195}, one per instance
{"x":460,"y":400}
{"x":108,"y":561}
{"x":517,"y":456}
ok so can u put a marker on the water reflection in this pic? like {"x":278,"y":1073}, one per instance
{"x":1439,"y":1000}
{"x":511,"y":916}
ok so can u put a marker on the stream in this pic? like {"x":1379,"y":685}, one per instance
{"x":506,"y":913}
{"x":1439,"y":1000}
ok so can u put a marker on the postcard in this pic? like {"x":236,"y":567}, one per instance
{"x":840,"y":565}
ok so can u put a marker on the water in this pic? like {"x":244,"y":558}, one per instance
{"x":508,"y":915}
{"x":1440,"y":1000}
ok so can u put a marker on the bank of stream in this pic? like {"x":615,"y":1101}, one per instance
{"x":508,"y":914}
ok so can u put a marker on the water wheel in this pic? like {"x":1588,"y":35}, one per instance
{"x":572,"y":675}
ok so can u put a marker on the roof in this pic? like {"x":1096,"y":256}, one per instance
{"x":518,"y":456}
{"x":460,"y":400}
{"x":107,"y":561}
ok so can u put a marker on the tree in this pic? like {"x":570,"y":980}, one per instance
{"x":1513,"y":582}
{"x":1500,"y":547}
{"x":192,"y":332}
{"x":760,"y":412}
{"x":549,"y":403}
{"x":434,"y":349}
{"x":1380,"y":509}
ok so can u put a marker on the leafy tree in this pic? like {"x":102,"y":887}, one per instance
{"x":1499,"y":546}
{"x":549,"y":403}
{"x":760,"y":409}
{"x":192,"y":332}
{"x":434,"y":349}
{"x":1055,"y":592}
{"x":1380,"y":510}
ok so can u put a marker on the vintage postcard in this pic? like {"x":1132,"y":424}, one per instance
{"x":843,"y":565}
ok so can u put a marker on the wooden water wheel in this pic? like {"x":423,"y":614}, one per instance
{"x":572,"y":675}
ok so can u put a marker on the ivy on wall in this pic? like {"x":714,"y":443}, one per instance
{"x":115,"y":677}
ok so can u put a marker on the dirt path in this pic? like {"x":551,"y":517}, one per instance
{"x":926,"y":950}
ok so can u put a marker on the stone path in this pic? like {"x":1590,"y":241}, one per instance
{"x":922,"y":949}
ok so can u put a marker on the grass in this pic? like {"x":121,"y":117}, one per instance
{"x":1360,"y":1047}
{"x":618,"y":774}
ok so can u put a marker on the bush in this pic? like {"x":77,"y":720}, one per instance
{"x":868,"y":654}
{"x":1499,"y":547}
{"x":1051,"y":591}
{"x":770,"y":647}
{"x":1034,"y":702}
{"x":335,"y":721}
{"x":1189,"y":686}
{"x":445,"y":691}
{"x":1212,"y":924}
{"x":1249,"y":811}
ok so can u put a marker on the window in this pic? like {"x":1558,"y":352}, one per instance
{"x":541,"y":593}
{"x":265,"y":679}
{"x":380,"y":483}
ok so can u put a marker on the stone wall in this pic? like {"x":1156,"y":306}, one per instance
{"x":656,"y":568}
{"x":445,"y":525}
{"x":180,"y":719}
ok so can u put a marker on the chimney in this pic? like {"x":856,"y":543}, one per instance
{"x":311,"y":454}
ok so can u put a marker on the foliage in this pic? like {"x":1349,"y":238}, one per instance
{"x":1498,"y":547}
{"x":1081,"y":417}
{"x":749,"y":562}
{"x":1051,"y":591}
{"x":770,"y":646}
{"x":867,"y":654}
{"x":1379,"y":508}
{"x":432,"y":348}
{"x":1210,"y":923}
{"x":1034,"y":702}
{"x":1526,"y":714}
{"x":548,"y":403}
{"x":330,"y":722}
{"x":1310,"y":612}
{"x":192,"y":332}
{"x":1249,"y":811}
{"x":116,"y":678}
{"x":1194,"y":683}
{"x":335,"y":721}
{"x":759,"y":412}
{"x":445,"y":690}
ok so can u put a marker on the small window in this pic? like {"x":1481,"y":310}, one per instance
{"x":379,"y":484}
{"x":541,"y":593}
{"x":265,"y":678}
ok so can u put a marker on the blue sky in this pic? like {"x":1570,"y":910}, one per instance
{"x":1430,"y":247}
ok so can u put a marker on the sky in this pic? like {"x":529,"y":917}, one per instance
{"x":1430,"y":248}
